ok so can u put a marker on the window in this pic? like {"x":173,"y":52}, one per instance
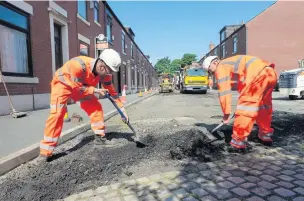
{"x":235,"y":43}
{"x":223,"y":35}
{"x":123,"y":42}
{"x":109,"y":28}
{"x":132,"y":53}
{"x":96,"y":11}
{"x":14,"y":42}
{"x":84,"y":49}
{"x":58,"y":46}
{"x":223,"y":50}
{"x":196,"y":72}
{"x":82,"y":8}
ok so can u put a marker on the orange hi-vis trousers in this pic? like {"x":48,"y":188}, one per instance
{"x":59,"y":97}
{"x":255,"y":104}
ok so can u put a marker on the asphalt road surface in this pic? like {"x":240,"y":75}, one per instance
{"x":172,"y":124}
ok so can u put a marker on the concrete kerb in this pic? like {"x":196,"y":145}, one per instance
{"x":22,"y":156}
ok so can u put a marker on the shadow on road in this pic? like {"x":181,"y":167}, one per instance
{"x":84,"y":141}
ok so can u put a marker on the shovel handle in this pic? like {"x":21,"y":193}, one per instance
{"x":116,"y":106}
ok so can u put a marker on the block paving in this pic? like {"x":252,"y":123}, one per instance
{"x":264,"y":175}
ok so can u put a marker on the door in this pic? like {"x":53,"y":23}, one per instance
{"x":58,"y":46}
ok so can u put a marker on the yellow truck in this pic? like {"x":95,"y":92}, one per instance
{"x":193,"y":78}
{"x":166,"y":83}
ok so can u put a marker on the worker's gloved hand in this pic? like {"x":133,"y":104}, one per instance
{"x":101,"y":91}
{"x":226,"y":118}
{"x":125,"y":120}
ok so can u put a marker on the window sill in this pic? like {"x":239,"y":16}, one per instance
{"x":84,"y":20}
{"x":97,"y":23}
{"x":124,"y":53}
{"x":22,"y":80}
{"x":110,"y":42}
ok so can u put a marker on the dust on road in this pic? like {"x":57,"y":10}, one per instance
{"x":86,"y":166}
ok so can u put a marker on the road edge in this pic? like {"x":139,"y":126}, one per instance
{"x":27,"y":154}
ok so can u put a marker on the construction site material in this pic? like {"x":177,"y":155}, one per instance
{"x":136,"y":138}
{"x":14,"y":113}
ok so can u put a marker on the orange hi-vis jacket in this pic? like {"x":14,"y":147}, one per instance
{"x":77,"y":75}
{"x":238,"y":70}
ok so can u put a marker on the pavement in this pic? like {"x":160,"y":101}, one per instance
{"x":128,"y":173}
{"x":23,"y":132}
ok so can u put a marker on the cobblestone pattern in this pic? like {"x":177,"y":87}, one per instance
{"x":268,"y":176}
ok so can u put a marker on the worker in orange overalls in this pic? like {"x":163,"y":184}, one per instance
{"x":210,"y":82}
{"x":77,"y":79}
{"x":255,"y":80}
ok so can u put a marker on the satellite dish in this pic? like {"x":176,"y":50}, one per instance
{"x":101,"y":37}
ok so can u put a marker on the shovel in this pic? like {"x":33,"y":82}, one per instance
{"x":218,"y":127}
{"x":136,"y":139}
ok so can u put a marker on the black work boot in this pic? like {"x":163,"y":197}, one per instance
{"x":102,"y":141}
{"x":43,"y":159}
{"x":232,"y":149}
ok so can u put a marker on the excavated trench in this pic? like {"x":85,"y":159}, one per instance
{"x":87,"y":166}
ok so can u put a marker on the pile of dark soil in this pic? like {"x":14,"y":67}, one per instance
{"x":193,"y":144}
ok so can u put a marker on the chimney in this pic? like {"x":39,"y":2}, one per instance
{"x":211,"y":45}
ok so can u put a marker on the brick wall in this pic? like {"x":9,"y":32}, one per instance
{"x":277,"y":34}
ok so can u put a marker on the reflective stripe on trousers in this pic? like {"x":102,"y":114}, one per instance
{"x":51,"y":139}
{"x":97,"y":124}
{"x":252,"y":108}
{"x":100,"y":132}
{"x":47,"y":147}
{"x":266,"y":137}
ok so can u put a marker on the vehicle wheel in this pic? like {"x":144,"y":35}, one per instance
{"x":181,"y":89}
{"x":293,"y":97}
{"x":204,"y":92}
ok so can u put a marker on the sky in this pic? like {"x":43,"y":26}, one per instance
{"x":172,"y":28}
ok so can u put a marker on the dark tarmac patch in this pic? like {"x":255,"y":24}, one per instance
{"x":193,"y":144}
{"x":87,"y":166}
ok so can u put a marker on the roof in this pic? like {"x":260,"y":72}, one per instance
{"x":130,"y":30}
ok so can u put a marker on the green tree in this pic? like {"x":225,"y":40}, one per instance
{"x":188,"y":58}
{"x":163,"y":65}
{"x":175,"y":65}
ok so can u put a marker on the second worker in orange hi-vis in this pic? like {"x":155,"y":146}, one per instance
{"x":77,"y":79}
{"x":254,"y":79}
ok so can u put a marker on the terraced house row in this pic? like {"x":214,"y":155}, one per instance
{"x":36,"y":38}
{"x":274,"y":34}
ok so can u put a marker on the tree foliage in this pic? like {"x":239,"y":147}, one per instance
{"x":165,"y":65}
{"x":188,"y":58}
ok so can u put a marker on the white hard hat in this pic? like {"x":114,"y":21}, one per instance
{"x":111,"y":58}
{"x":207,"y":61}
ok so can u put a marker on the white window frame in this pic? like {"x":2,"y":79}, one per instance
{"x":123,"y":42}
{"x":235,"y":42}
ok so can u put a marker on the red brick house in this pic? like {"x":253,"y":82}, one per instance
{"x":274,"y":35}
{"x":37,"y":37}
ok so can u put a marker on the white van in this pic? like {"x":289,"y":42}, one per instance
{"x":292,"y":83}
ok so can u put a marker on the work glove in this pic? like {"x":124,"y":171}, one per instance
{"x":126,"y":119}
{"x":226,"y":118}
{"x":101,"y":91}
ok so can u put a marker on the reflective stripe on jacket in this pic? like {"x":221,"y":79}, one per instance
{"x":238,"y":71}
